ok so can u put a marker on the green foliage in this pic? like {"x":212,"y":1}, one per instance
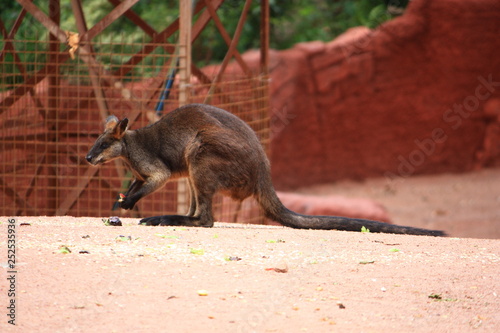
{"x":306,"y":20}
{"x":291,"y":22}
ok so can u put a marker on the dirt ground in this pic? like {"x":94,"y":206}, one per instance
{"x":240,"y":278}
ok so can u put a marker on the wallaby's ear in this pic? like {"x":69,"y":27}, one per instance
{"x":120,"y":128}
{"x":111,"y":122}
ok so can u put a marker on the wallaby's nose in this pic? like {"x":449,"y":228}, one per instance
{"x":88,"y":158}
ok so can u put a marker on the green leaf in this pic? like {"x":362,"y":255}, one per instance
{"x":197,"y":251}
{"x":64,"y":249}
{"x":275,"y":241}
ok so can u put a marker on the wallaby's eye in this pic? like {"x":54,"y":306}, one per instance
{"x":104,"y":145}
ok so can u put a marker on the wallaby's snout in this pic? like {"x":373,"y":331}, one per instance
{"x":107,"y":145}
{"x":89,"y":158}
{"x":92,"y":157}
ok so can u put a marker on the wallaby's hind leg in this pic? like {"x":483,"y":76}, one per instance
{"x":173,"y":220}
{"x":202,"y":188}
{"x":179,"y":220}
{"x":205,"y":218}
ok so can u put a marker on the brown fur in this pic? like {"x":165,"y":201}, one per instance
{"x":217,"y":152}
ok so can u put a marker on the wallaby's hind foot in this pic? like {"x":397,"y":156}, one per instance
{"x":174,"y":220}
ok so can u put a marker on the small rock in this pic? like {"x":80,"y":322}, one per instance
{"x":282,"y":267}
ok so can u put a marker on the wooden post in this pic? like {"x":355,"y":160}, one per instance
{"x":264,"y":36}
{"x":52,"y":114}
{"x":185,"y":22}
{"x":100,"y":96}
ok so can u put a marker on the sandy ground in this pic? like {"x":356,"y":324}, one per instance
{"x":239,"y":278}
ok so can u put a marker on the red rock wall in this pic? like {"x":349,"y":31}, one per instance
{"x":420,"y":94}
{"x":333,"y":205}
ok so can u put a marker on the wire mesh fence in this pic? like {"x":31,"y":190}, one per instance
{"x":53,"y":108}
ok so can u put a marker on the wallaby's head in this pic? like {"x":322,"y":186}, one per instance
{"x":109,"y":145}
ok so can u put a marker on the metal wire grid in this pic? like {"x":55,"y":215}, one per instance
{"x":46,"y":128}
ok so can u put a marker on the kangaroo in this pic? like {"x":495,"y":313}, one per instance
{"x":217,"y":152}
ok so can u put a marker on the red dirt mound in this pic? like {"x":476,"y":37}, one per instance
{"x":334,"y":205}
{"x":418,"y":95}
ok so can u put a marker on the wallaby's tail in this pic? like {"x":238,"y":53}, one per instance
{"x":275,"y":210}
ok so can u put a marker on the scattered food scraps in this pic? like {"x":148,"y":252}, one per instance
{"x":64,"y":249}
{"x":275,"y":241}
{"x":122,"y":238}
{"x":197,"y":251}
{"x":115,"y":221}
{"x":282,"y":267}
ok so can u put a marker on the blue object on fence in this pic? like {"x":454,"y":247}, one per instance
{"x":168,"y":87}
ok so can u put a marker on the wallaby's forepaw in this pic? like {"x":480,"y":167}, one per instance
{"x":172,"y":220}
{"x":127,"y":203}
